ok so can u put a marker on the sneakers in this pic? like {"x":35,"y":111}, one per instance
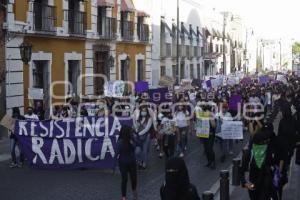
{"x":13,"y":165}
{"x":181,"y":155}
{"x":20,"y":165}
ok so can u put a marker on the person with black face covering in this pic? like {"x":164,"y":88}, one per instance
{"x":177,"y":185}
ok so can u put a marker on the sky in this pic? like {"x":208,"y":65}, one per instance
{"x":270,"y":19}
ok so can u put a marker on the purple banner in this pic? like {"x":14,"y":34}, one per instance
{"x":264,"y":79}
{"x":73,"y":143}
{"x":246,"y":81}
{"x":141,"y":86}
{"x":160,"y":95}
{"x":234,"y":101}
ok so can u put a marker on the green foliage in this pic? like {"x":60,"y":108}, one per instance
{"x":296,"y":48}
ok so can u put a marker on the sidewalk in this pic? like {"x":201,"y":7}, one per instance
{"x":4,"y":149}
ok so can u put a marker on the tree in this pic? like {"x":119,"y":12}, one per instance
{"x":296,"y":48}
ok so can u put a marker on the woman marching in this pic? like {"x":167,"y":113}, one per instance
{"x":127,"y":160}
{"x":142,"y":126}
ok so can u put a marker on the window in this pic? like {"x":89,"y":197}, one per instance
{"x":100,"y":68}
{"x":191,"y":71}
{"x":124,"y":71}
{"x":73,"y":74}
{"x":182,"y":75}
{"x":217,"y":48}
{"x":101,"y":18}
{"x":38,"y":75}
{"x":141,"y":71}
{"x":168,"y":50}
{"x":174,"y":70}
{"x":198,"y":71}
{"x":162,"y":70}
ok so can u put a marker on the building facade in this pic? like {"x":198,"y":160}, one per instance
{"x":76,"y":47}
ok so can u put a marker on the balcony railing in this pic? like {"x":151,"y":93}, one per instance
{"x":77,"y":22}
{"x":127,"y":30}
{"x":107,"y":28}
{"x":44,"y":17}
{"x":143,"y":32}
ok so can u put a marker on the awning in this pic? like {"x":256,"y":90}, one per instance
{"x":199,"y":33}
{"x":207,"y":32}
{"x":174,"y":29}
{"x":192,"y":32}
{"x":106,"y":3}
{"x":228,"y":36}
{"x":127,"y":6}
{"x":142,"y":14}
{"x":165,"y":25}
{"x":184,"y":30}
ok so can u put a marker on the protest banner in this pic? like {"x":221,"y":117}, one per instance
{"x":202,"y":124}
{"x":231,"y":130}
{"x":186,"y":85}
{"x":72,"y":143}
{"x":108,"y":88}
{"x":141,"y":86}
{"x":246,"y":81}
{"x":35,"y":93}
{"x":231,"y":80}
{"x":166,"y":81}
{"x":263,"y":79}
{"x":160,"y":95}
{"x":8,"y":122}
{"x":281,"y":78}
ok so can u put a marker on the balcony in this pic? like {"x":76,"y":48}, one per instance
{"x":77,"y":22}
{"x":126,"y":30}
{"x":107,"y":28}
{"x":44,"y":17}
{"x":143,"y":32}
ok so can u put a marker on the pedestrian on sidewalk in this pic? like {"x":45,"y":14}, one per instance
{"x":177,"y":184}
{"x":127,"y":160}
{"x":14,"y":142}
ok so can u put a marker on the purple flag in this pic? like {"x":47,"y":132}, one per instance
{"x":141,"y":86}
{"x":234,"y":101}
{"x":264,"y":79}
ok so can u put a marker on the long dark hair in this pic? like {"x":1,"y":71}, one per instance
{"x":126,"y":138}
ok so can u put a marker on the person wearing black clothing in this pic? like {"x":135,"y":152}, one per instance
{"x":14,"y":142}
{"x":127,"y":160}
{"x":263,"y":161}
{"x":177,"y":185}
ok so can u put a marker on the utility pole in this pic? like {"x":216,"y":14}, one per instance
{"x":224,"y":44}
{"x":280,"y":54}
{"x":177,"y":45}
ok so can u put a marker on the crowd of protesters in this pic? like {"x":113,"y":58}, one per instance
{"x":270,"y":113}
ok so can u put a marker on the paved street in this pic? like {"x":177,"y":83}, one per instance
{"x":33,"y":184}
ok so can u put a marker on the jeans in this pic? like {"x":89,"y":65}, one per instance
{"x":226,"y":146}
{"x":209,"y":148}
{"x":183,"y":131}
{"x":126,"y":169}
{"x":142,"y":151}
{"x":13,"y":144}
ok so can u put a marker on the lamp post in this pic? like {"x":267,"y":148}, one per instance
{"x":26,"y":52}
{"x":177,"y":45}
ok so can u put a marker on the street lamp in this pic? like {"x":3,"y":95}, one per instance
{"x":26,"y":52}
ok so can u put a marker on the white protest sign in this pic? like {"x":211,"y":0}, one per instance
{"x":118,"y":88}
{"x":281,"y":78}
{"x":232,"y":130}
{"x":35,"y":93}
{"x":108,"y":88}
{"x":231,"y":80}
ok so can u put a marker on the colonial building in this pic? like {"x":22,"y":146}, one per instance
{"x":76,"y":46}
